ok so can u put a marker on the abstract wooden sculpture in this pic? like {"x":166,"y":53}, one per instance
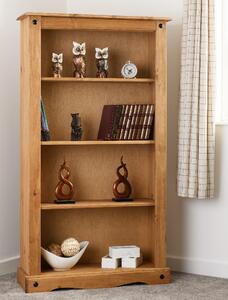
{"x":122,"y":179}
{"x":64,"y":174}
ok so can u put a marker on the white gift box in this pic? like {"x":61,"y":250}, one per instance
{"x":124,"y":251}
{"x":108,"y":262}
{"x":131,"y":262}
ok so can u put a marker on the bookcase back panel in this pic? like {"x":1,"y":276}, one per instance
{"x":102,"y":228}
{"x":123,"y":46}
{"x":93,"y":170}
{"x":88,"y":99}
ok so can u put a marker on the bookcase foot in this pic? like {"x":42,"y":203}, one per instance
{"x":101,"y":278}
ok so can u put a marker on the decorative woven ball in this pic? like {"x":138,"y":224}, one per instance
{"x":55,"y":249}
{"x":70,"y":247}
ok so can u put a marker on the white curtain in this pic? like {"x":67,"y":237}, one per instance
{"x":196,"y":144}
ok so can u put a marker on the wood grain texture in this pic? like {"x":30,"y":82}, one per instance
{"x":62,"y":99}
{"x":62,"y":15}
{"x":30,"y":147}
{"x":102,"y":227}
{"x":98,"y":80}
{"x":96,"y":278}
{"x":160,"y":147}
{"x":93,"y":217}
{"x":123,"y":46}
{"x":98,"y":204}
{"x":93,"y":170}
{"x":97,"y":143}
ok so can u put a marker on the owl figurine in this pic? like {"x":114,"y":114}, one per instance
{"x":57,"y":60}
{"x":101,"y":56}
{"x":79,"y":52}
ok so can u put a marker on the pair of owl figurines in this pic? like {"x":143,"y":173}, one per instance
{"x":79,"y":61}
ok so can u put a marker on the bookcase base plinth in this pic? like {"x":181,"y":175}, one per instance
{"x":92,"y":276}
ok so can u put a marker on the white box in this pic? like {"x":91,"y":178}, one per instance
{"x":124,"y":251}
{"x":131,"y":262}
{"x":108,"y":262}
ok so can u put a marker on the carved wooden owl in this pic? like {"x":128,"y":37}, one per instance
{"x":79,"y":51}
{"x":101,"y":56}
{"x":57,"y":60}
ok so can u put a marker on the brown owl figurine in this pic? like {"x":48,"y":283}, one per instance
{"x":101,"y":56}
{"x":57,"y":60}
{"x":79,"y":51}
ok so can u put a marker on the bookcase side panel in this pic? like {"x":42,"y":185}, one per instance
{"x":30,"y":146}
{"x":160,"y":144}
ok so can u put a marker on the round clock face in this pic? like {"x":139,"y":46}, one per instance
{"x":129,"y":70}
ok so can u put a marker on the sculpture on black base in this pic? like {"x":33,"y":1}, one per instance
{"x":64,"y":174}
{"x":122,"y":179}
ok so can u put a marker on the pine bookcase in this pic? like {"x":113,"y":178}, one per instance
{"x":94,"y":217}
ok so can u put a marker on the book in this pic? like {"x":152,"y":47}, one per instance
{"x":145,"y":120}
{"x":120,"y":122}
{"x":107,"y":121}
{"x":122,"y":131}
{"x":131,"y":127}
{"x":45,"y":134}
{"x":140,"y":124}
{"x":149,"y":126}
{"x":136,"y":122}
{"x":117,"y":116}
{"x":128,"y":122}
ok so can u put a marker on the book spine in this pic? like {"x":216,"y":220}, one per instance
{"x":120,"y":122}
{"x":118,"y":109}
{"x":132,"y":122}
{"x":141,"y":119}
{"x":129,"y":117}
{"x":106,"y":123}
{"x":124,"y":122}
{"x":143,"y":133}
{"x":136,"y":122}
{"x":149,"y":125}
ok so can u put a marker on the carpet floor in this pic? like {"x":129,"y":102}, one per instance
{"x":183,"y":286}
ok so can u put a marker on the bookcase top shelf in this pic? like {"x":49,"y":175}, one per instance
{"x":98,"y":204}
{"x":91,"y":143}
{"x":90,"y":16}
{"x":97,"y":80}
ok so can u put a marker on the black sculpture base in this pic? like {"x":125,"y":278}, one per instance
{"x":122,"y":199}
{"x":68,"y":201}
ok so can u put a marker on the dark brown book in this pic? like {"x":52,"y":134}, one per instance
{"x":140,"y":124}
{"x":130,"y":134}
{"x":145,"y":121}
{"x":129,"y":117}
{"x":149,"y":126}
{"x":123,"y":127}
{"x":117,"y":116}
{"x":120,"y":122}
{"x":136,"y":122}
{"x":106,"y":124}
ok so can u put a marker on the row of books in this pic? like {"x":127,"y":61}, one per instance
{"x":126,"y":122}
{"x":45,"y":134}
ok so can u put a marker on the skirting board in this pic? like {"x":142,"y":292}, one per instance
{"x":214,"y":268}
{"x":9,"y":265}
{"x":176,"y":263}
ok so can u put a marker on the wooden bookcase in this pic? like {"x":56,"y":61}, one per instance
{"x":94,"y":217}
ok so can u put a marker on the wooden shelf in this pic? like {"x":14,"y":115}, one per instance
{"x":98,"y":204}
{"x":91,"y":143}
{"x":97,"y":80}
{"x":81,"y":269}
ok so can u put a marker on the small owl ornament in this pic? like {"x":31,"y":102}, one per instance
{"x":57,"y":60}
{"x":79,"y":52}
{"x":101,"y":56}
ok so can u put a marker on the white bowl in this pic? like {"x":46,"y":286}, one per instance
{"x":59,"y":263}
